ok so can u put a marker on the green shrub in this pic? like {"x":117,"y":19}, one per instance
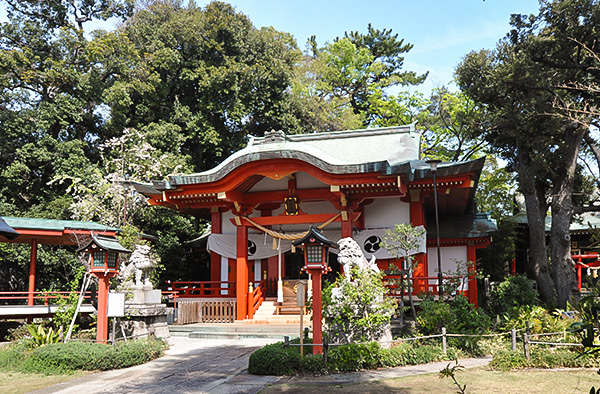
{"x":12,"y":355}
{"x":273,"y":359}
{"x":433,"y":315}
{"x":39,"y":336}
{"x":72,"y":356}
{"x":354,"y":357}
{"x":543,"y":358}
{"x":276,"y":360}
{"x":459,"y":317}
{"x":359,"y":312}
{"x":414,"y":354}
{"x":540,"y":320}
{"x":313,"y":364}
{"x":513,"y":293}
{"x":18,"y":333}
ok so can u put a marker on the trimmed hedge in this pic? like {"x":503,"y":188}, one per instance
{"x":274,"y":359}
{"x":72,"y":356}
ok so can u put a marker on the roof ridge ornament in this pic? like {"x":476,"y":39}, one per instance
{"x":274,"y":136}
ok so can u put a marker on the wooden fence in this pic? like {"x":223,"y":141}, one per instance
{"x":206,"y":311}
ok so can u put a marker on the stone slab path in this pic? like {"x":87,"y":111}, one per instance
{"x":217,"y":366}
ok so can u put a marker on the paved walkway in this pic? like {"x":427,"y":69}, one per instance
{"x":215,"y":366}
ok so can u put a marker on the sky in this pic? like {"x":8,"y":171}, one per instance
{"x":442,"y":31}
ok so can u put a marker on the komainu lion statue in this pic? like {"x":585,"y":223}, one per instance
{"x":140,"y":266}
{"x":351,"y":255}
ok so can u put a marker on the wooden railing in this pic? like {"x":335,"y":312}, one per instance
{"x":421,"y":284}
{"x":256,"y":297}
{"x":21,"y":297}
{"x":206,"y":311}
{"x":197,"y":289}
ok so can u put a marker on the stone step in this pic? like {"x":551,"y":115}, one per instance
{"x":279,"y":319}
{"x":240,"y":335}
{"x":236,"y":330}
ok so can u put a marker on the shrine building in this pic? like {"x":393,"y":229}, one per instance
{"x":356,"y":183}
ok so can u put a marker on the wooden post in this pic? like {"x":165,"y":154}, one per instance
{"x":526,"y":341}
{"x":325,"y":349}
{"x":32,"y":269}
{"x":250,"y":301}
{"x":513,"y":334}
{"x":102,"y":321}
{"x":286,"y":341}
{"x":444,"y":346}
{"x":317,"y":316}
{"x":472,"y":278}
{"x":302,"y":332}
{"x":526,"y":345}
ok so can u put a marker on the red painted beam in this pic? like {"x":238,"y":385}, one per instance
{"x":298,"y":219}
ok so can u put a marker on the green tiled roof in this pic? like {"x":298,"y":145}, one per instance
{"x":107,"y":243}
{"x":583,"y":223}
{"x":56,"y":225}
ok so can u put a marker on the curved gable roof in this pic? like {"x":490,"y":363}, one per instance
{"x":338,"y":152}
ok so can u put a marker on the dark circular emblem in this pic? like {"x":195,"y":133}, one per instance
{"x":371,"y":244}
{"x":251,"y":248}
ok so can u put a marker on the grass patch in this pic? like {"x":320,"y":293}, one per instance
{"x":477,"y":380}
{"x":20,"y":383}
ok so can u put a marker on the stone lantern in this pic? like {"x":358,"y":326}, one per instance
{"x":103,"y":257}
{"x":316,"y":262}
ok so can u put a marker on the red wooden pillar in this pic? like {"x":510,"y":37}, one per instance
{"x":102,"y":320}
{"x":241,"y":275}
{"x":472,"y":257}
{"x":417,"y":218}
{"x":346,"y":224}
{"x":317,"y":315}
{"x":215,"y":259}
{"x":579,"y":274}
{"x":32,"y":269}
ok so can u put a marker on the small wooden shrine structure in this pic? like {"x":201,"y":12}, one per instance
{"x":356,"y":183}
{"x":35,"y":232}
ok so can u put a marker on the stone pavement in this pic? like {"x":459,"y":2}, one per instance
{"x":215,"y":366}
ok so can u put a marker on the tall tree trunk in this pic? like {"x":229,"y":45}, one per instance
{"x":535,"y":205}
{"x":563,"y":269}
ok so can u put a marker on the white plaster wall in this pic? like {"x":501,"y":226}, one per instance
{"x":257,"y":270}
{"x":268,"y":184}
{"x":226,"y":226}
{"x":305,"y":181}
{"x":386,"y":212}
{"x":449,"y":256}
{"x":224,"y":273}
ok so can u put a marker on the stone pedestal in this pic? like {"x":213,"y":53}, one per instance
{"x":145,"y":315}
